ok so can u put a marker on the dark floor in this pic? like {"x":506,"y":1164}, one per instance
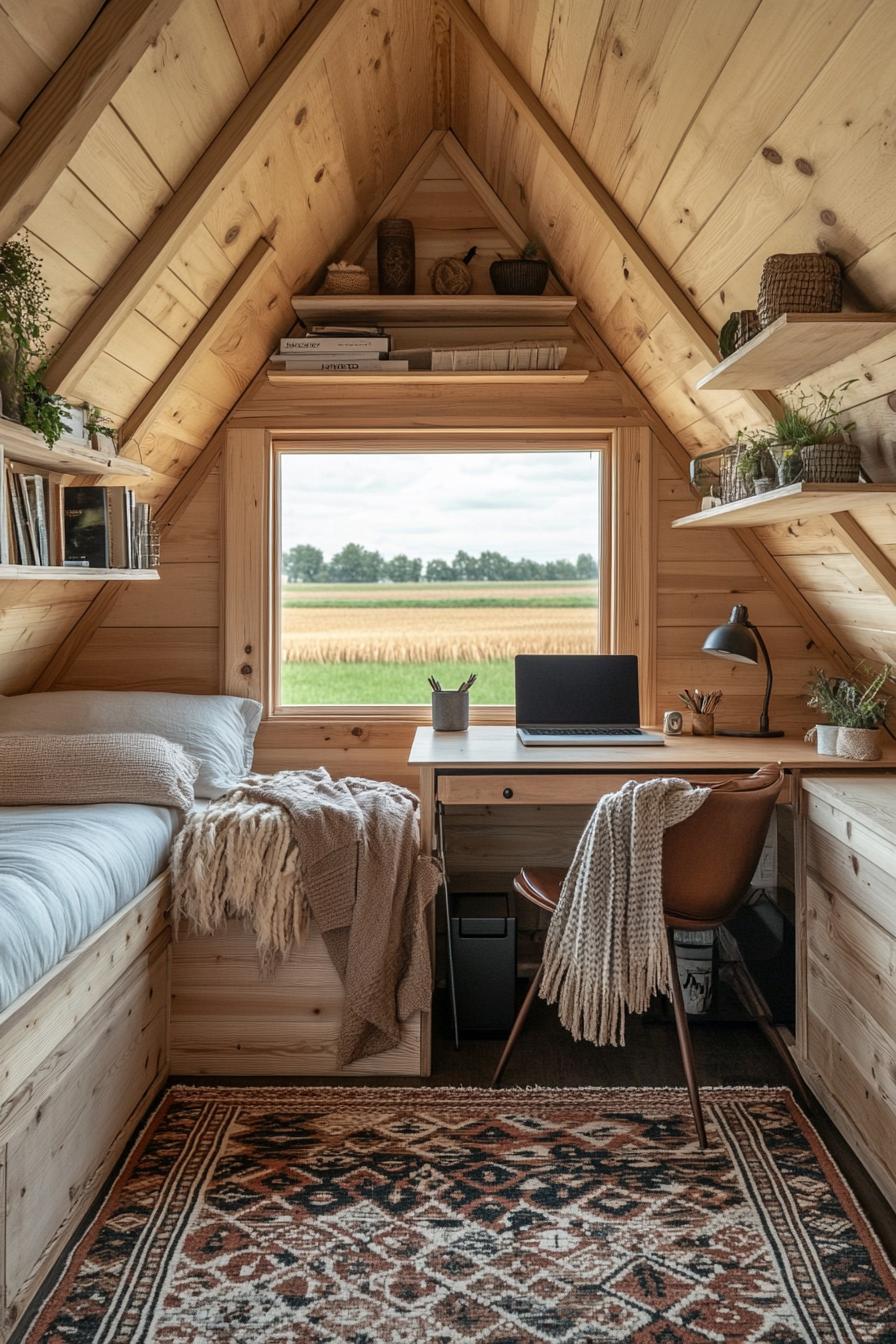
{"x":727,"y":1053}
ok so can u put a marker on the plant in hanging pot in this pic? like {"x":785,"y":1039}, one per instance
{"x":525,"y":274}
{"x":24,"y":323}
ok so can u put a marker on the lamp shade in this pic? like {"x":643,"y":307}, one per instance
{"x":735,"y":640}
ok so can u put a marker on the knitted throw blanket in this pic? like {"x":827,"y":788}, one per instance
{"x":606,"y":950}
{"x":282,"y":849}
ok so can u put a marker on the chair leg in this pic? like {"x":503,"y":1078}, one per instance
{"x":518,"y":1025}
{"x":685,"y":1045}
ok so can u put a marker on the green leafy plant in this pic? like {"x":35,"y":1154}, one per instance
{"x":530,"y":251}
{"x":848,"y":702}
{"x":40,"y":410}
{"x":24,"y":323}
{"x":813,"y":417}
{"x":97,"y":422}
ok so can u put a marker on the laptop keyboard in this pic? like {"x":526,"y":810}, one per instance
{"x":584,"y":732}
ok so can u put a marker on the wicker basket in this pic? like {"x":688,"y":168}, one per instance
{"x":747,"y":327}
{"x":346,"y":280}
{"x":830,"y":461}
{"x":802,"y":282}
{"x":519,"y":275}
{"x":859,"y":744}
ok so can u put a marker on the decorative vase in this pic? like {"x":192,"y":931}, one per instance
{"x":395,"y":256}
{"x":830,"y":461}
{"x":826,"y":735}
{"x":859,"y":744}
{"x":521,"y":275}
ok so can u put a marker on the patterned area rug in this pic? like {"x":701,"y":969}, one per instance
{"x":394,"y":1216}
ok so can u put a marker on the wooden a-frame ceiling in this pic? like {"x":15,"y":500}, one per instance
{"x":214,"y":154}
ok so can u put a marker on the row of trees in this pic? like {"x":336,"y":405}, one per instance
{"x":356,"y":564}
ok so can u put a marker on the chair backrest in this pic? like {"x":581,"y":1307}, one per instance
{"x":708,"y":859}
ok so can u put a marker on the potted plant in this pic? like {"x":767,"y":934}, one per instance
{"x":808,"y":439}
{"x":97,"y":427}
{"x":525,"y":274}
{"x":24,"y":323}
{"x":755,"y":461}
{"x":41,"y":411}
{"x":856,"y":710}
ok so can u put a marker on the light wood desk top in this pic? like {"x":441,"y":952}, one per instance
{"x":497,"y":747}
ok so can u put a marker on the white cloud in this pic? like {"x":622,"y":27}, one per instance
{"x":541,"y":505}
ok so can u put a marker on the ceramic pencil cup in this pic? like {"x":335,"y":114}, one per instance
{"x":703,"y":725}
{"x":450,"y":711}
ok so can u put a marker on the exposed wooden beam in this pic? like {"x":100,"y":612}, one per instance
{"x":441,"y":67}
{"x":873,"y":560}
{"x":68,"y":106}
{"x":825,"y":639}
{"x":198,"y":342}
{"x":94,"y":615}
{"x":584,"y":182}
{"x":231,"y":147}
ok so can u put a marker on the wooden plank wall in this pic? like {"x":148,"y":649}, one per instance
{"x":725,"y":133}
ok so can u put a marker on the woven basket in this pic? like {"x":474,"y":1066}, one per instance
{"x":341,"y":280}
{"x":519,"y":275}
{"x":747,"y":327}
{"x":859,"y":744}
{"x":830,"y":461}
{"x":802,"y":282}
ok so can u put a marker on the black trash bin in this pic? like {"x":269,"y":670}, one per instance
{"x":483,"y":943}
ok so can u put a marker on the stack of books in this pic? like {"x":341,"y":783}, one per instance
{"x":339,"y":349}
{"x":43,"y":522}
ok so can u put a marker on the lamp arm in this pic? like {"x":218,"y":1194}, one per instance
{"x":763,"y":717}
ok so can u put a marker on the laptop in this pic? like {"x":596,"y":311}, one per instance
{"x":579,"y":700}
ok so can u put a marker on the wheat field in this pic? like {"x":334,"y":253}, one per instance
{"x":414,"y":635}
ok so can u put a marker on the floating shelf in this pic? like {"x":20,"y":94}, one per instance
{"x":63,"y":573}
{"x":281,"y":377}
{"x":21,"y":445}
{"x":461,"y":310}
{"x":801,"y":500}
{"x":795,"y":346}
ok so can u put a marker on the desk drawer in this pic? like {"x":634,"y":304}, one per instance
{"x":531,"y":789}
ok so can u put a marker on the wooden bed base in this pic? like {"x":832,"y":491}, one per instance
{"x":82,"y":1055}
{"x":229,"y":1020}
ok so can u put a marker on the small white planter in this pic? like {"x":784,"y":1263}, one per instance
{"x":826,"y":735}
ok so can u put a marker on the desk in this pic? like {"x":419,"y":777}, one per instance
{"x":488,"y":766}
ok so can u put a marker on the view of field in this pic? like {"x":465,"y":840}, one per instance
{"x":376,"y":643}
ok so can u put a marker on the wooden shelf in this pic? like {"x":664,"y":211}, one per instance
{"x":63,"y":573}
{"x":284,"y":377}
{"x":463,"y":310}
{"x":795,"y":346}
{"x":21,"y":445}
{"x":789,"y":502}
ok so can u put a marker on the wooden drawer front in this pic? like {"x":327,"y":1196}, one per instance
{"x":854,"y":950}
{"x":536,"y":789}
{"x":837,"y":866}
{"x":856,"y":1059}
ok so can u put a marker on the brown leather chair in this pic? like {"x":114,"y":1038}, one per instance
{"x":708,"y":861}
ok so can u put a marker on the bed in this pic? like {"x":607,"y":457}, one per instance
{"x":64,"y":872}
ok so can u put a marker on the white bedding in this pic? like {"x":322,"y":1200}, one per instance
{"x":63,"y":872}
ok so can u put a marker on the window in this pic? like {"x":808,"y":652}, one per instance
{"x":395,"y":566}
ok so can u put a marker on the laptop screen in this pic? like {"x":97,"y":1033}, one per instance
{"x":576,"y":690}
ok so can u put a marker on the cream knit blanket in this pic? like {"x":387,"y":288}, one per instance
{"x":282,"y":849}
{"x":606,"y":950}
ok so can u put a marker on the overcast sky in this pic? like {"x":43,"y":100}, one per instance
{"x":540,"y":505}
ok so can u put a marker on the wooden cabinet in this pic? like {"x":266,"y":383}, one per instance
{"x":846,"y":1027}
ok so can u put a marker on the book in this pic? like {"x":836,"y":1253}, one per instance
{"x":143,"y":549}
{"x":341,"y":365}
{"x":6,"y":536}
{"x":86,"y":526}
{"x":35,"y":486}
{"x":343,"y":329}
{"x":22,"y":548}
{"x":334,"y":345}
{"x":119,"y":501}
{"x":21,"y":483}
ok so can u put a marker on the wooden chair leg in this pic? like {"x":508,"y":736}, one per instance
{"x":752,"y":999}
{"x":685,"y":1045}
{"x":518,"y":1025}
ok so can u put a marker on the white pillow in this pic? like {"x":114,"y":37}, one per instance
{"x":219,"y":730}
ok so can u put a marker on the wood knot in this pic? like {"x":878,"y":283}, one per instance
{"x":232,"y":234}
{"x":771,"y":155}
{"x":300,"y":116}
{"x":247,"y":648}
{"x":804,"y":166}
{"x":246,"y":670}
{"x":891,"y":401}
{"x":319,"y":174}
{"x":828,"y":217}
{"x":618,"y":48}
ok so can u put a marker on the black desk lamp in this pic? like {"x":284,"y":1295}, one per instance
{"x":737,"y":641}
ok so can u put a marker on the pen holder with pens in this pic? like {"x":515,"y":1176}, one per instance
{"x":450,"y":711}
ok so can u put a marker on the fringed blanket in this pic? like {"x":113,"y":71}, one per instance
{"x":282,"y":849}
{"x":606,"y":950}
